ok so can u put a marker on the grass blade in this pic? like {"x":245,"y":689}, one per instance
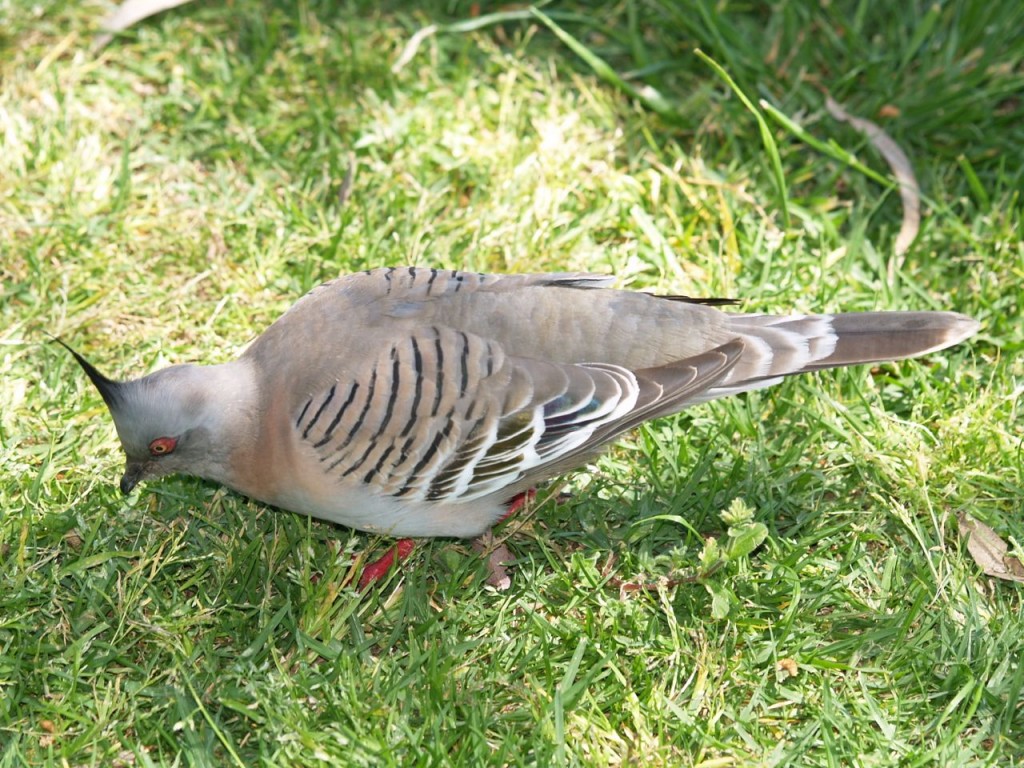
{"x":781,"y":193}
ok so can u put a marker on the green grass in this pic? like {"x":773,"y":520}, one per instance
{"x":165,"y":200}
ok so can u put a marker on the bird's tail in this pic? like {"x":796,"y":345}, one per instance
{"x":775,"y":346}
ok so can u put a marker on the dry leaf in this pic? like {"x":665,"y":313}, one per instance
{"x":789,"y":667}
{"x":498,"y":555}
{"x":989,"y":550}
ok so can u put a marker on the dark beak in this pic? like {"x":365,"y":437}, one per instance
{"x":130,"y":478}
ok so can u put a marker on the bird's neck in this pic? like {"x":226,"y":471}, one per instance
{"x":232,"y":418}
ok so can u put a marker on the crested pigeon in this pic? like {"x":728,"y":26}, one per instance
{"x":418,"y":402}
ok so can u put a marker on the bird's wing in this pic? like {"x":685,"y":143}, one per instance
{"x":444,"y":415}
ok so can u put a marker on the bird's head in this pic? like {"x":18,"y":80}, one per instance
{"x":168,"y":421}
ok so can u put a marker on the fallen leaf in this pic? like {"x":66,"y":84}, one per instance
{"x":498,"y":555}
{"x":989,"y":550}
{"x":789,"y":666}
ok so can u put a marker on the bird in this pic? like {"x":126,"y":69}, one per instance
{"x":417,"y":402}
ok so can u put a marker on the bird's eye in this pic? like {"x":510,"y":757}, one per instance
{"x":162,"y":446}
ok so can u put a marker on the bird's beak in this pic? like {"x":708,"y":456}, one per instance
{"x":132,"y":475}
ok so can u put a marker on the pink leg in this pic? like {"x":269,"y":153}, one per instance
{"x":518,"y":501}
{"x":379,"y":568}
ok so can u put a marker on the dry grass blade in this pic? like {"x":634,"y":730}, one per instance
{"x":910,"y":190}
{"x":129,"y":13}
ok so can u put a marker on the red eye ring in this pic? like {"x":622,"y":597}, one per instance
{"x":162,"y":446}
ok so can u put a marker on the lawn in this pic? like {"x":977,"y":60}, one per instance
{"x":165,"y":198}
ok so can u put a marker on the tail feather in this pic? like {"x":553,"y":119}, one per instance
{"x":775,"y":347}
{"x":870,"y":337}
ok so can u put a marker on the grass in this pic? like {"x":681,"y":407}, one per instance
{"x":165,"y":200}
